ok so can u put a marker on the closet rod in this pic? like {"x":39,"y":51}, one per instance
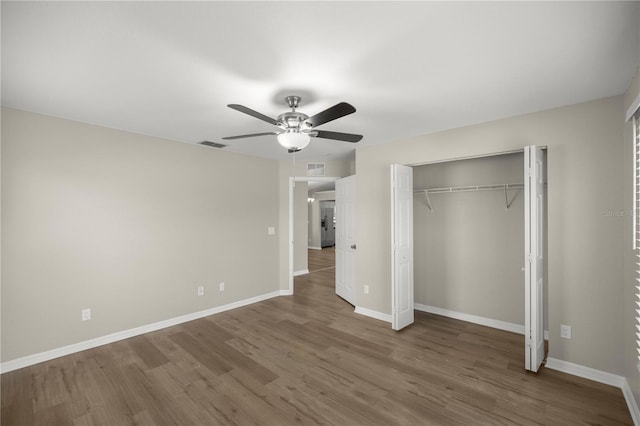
{"x":504,"y":187}
{"x":470,"y":188}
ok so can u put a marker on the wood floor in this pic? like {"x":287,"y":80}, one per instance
{"x":306,"y":359}
{"x":321,"y":259}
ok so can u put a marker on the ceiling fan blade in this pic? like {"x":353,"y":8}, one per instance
{"x":345,"y":137}
{"x":329,"y":114}
{"x":251,"y":135}
{"x":253,"y":113}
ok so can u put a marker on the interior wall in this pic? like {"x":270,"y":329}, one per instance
{"x":300,"y":227}
{"x":314,"y":225}
{"x":585,"y":160}
{"x":126,"y":225}
{"x":469,"y":250}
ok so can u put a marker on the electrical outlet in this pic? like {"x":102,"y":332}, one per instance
{"x":200,"y":290}
{"x":222,"y":286}
{"x":86,"y":314}
{"x":565,"y":331}
{"x":271,"y":230}
{"x":366,"y":289}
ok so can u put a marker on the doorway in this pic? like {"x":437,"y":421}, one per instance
{"x":298,"y":226}
{"x":327,"y":223}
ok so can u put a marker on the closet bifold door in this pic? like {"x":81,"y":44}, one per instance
{"x":534,"y":205}
{"x":401,"y":246}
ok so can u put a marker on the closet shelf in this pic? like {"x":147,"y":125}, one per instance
{"x":472,"y":188}
{"x":500,"y":187}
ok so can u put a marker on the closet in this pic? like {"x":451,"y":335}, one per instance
{"x":468,"y":228}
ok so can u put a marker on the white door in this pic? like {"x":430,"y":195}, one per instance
{"x":401,"y":246}
{"x":346,"y":239}
{"x":534,"y":206}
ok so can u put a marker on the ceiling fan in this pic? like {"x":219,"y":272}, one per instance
{"x":296,"y":128}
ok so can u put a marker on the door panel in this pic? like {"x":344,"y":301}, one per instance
{"x":346,"y":239}
{"x":534,"y":257}
{"x":402,"y":246}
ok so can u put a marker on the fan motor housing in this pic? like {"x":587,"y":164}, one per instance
{"x":292,"y":119}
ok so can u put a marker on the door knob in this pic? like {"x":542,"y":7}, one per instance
{"x":353,"y":246}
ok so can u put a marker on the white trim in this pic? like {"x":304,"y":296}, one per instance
{"x":489,"y":322}
{"x":634,"y":221}
{"x":373,"y":314}
{"x":631,"y":403}
{"x":28,"y":360}
{"x":600,"y":377}
{"x":585,"y":372}
{"x":301,"y":272}
{"x":635,"y":105}
{"x":315,"y":248}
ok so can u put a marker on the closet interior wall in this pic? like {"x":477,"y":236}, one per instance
{"x":469,"y":250}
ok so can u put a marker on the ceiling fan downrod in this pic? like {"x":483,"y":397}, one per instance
{"x":293,"y":102}
{"x":291,"y":121}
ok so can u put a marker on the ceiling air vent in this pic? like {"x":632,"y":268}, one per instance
{"x":212,"y":144}
{"x":315,"y":169}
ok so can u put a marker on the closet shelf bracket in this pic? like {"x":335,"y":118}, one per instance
{"x":426,"y":195}
{"x":507,"y":204}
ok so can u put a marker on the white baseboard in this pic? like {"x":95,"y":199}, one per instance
{"x":488,"y":322}
{"x":501,"y":325}
{"x":585,"y":372}
{"x":315,"y":248}
{"x":631,"y":403}
{"x":28,"y":360}
{"x":301,"y":272}
{"x":373,"y":314}
{"x":600,"y":377}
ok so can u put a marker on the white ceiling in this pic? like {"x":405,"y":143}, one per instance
{"x":168,"y":69}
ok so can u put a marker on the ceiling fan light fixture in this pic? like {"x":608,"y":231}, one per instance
{"x":293,"y":140}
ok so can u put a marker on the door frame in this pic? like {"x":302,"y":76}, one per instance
{"x":290,"y":244}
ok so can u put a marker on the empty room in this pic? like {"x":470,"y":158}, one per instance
{"x":349,"y":213}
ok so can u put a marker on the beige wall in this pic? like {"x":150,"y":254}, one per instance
{"x":300,"y":226}
{"x":629,"y":296}
{"x":469,"y":250}
{"x":585,"y":161}
{"x":314,"y":240}
{"x":126,"y":225}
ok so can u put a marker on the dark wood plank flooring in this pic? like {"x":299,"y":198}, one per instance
{"x":306,"y":359}
{"x":321,"y":259}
